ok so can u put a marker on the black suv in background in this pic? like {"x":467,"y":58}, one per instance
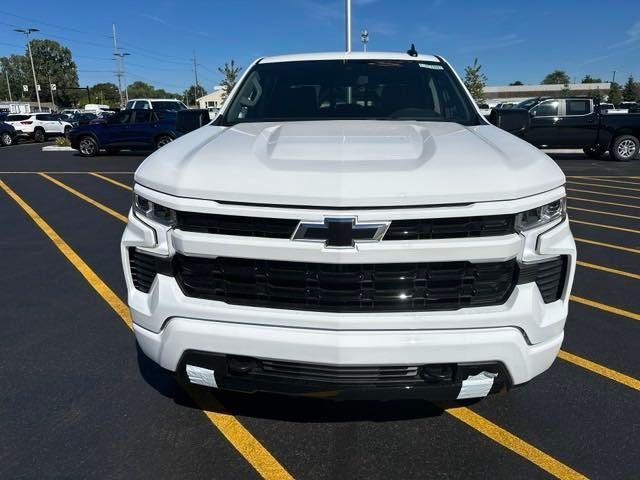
{"x":7,"y":134}
{"x":577,"y":122}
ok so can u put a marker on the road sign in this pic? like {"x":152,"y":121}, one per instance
{"x":25,"y":88}
{"x":38,"y":87}
{"x":53,"y":87}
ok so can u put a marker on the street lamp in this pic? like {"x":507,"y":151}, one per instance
{"x":364,"y":38}
{"x":28,"y":32}
{"x":120,"y":74}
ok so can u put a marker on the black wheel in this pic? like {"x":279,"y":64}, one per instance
{"x":624,"y":148}
{"x":6,"y":139}
{"x":594,"y":152}
{"x":88,"y":147}
{"x":162,"y":140}
{"x":39,"y":135}
{"x":113,"y":151}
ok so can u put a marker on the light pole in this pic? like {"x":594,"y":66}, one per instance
{"x":6,"y":75}
{"x":347,"y":32}
{"x":120,"y":73}
{"x":364,"y":38}
{"x":28,"y":32}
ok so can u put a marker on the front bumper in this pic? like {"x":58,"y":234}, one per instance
{"x":523,"y":335}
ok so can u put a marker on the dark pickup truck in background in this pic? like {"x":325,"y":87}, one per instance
{"x":573,"y":123}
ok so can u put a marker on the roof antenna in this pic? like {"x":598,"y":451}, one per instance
{"x":412,"y":51}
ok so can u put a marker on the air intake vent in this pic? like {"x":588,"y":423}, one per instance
{"x":144,"y":268}
{"x":549,"y":276}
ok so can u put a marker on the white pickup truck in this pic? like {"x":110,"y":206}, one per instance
{"x":350,"y":226}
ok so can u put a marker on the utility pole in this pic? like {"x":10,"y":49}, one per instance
{"x":28,"y":32}
{"x":614,"y":77}
{"x":118,"y":66}
{"x":6,"y":74}
{"x":53,"y":100}
{"x":195,"y":71}
{"x":347,"y":33}
{"x":364,"y":38}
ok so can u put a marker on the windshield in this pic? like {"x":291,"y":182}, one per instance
{"x":350,"y":90}
{"x":527,"y":104}
{"x":169,"y":106}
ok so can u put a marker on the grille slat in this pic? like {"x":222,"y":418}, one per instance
{"x":346,"y":287}
{"x":414,"y":229}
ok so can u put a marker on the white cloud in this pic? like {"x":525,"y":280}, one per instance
{"x":633,"y":36}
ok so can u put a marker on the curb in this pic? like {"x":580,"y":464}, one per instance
{"x":55,"y":148}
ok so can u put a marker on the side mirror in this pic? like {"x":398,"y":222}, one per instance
{"x":513,"y":120}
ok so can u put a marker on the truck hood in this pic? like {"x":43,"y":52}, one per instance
{"x":350,"y":164}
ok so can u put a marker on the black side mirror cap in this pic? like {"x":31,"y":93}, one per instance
{"x":513,"y":120}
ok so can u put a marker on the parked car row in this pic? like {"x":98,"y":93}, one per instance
{"x":38,"y":126}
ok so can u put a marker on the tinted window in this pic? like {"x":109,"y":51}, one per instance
{"x":142,"y":105}
{"x":122,"y":117}
{"x":130,"y":104}
{"x":44,"y":117}
{"x":142,"y":116}
{"x":578,"y":107}
{"x":169,"y":106}
{"x":17,"y":118}
{"x":357,"y":89}
{"x":546,"y":109}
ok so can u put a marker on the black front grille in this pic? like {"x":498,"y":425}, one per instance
{"x":337,"y":374}
{"x":235,"y":225}
{"x":415,"y":229}
{"x":143,"y":269}
{"x":549,"y":276}
{"x":459,"y":227}
{"x":346,"y":288}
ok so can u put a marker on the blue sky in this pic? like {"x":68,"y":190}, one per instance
{"x":514,"y":40}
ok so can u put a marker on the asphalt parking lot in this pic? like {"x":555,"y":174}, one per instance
{"x":78,"y":401}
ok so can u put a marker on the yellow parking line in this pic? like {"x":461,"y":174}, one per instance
{"x":608,"y":269}
{"x":513,"y":443}
{"x":603,"y":202}
{"x":93,"y":202}
{"x":111,"y":180}
{"x":612,"y":181}
{"x":607,"y":245}
{"x":600,"y":370}
{"x":604,"y":186}
{"x":610,"y":227}
{"x":603,"y":193}
{"x":605,"y":307}
{"x":602,"y":212}
{"x":248,"y":446}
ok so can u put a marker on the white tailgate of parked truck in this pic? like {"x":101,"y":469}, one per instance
{"x":350,"y":226}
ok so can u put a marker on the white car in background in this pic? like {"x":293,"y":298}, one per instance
{"x":38,"y":126}
{"x":166,"y":104}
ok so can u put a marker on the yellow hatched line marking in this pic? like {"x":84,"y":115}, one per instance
{"x":246,"y":444}
{"x":603,"y":193}
{"x":613,"y":181}
{"x":600,"y":370}
{"x":635,"y":217}
{"x":608,"y":269}
{"x":605,"y":307}
{"x":111,"y":180}
{"x":78,"y":194}
{"x":515,"y":444}
{"x":610,"y":227}
{"x":607,"y":245}
{"x":604,"y":186}
{"x":603,"y":202}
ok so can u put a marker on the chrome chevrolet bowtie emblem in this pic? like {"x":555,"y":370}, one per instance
{"x":340,"y":232}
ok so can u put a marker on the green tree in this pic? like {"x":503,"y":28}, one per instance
{"x":556,"y":77}
{"x":230,"y":73}
{"x":15,"y":67}
{"x":565,"y":92}
{"x":615,"y":93}
{"x":590,"y":79}
{"x":55,"y":62}
{"x":630,"y":90}
{"x":106,"y":93}
{"x":475,"y":81}
{"x":517,"y":83}
{"x":140,"y":89}
{"x":193,"y":93}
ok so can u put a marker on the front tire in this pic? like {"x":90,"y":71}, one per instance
{"x":594,"y":153}
{"x":87,"y":147}
{"x":39,"y":135}
{"x":624,"y":148}
{"x":6,"y":139}
{"x":162,"y":140}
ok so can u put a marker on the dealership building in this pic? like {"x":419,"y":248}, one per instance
{"x":517,"y":93}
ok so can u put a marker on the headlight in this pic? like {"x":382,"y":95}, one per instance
{"x":542,"y":215}
{"x":153,"y":211}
